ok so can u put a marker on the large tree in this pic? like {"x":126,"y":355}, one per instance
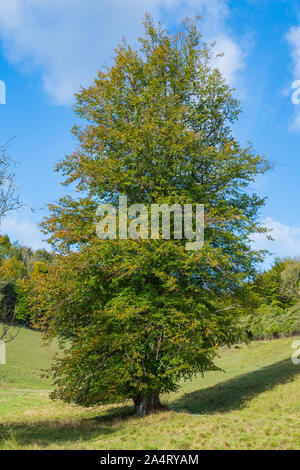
{"x":134,"y":317}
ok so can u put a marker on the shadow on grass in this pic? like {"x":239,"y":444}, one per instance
{"x":59,"y":431}
{"x":228,"y":395}
{"x":233,"y":393}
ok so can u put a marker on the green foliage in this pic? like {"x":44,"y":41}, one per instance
{"x":8,"y":300}
{"x":19,"y":268}
{"x":276,"y":294}
{"x":135,"y":317}
{"x":272,"y":321}
{"x":290,"y":281}
{"x":134,"y":328}
{"x":267,"y":286}
{"x":23,"y":312}
{"x":5,"y":247}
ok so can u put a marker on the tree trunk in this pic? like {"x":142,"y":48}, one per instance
{"x":147,"y":404}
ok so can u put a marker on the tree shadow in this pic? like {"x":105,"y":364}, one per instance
{"x":59,"y":431}
{"x":234,"y":393}
{"x":231,"y":394}
{"x":119,"y":413}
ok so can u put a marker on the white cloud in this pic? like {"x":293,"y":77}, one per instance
{"x":286,"y":239}
{"x":215,"y":14}
{"x":69,"y":40}
{"x":232,"y":61}
{"x":293,"y":38}
{"x":22,"y":230}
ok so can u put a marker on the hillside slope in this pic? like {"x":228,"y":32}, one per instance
{"x":254,"y":404}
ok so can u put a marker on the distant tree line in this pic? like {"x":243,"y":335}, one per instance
{"x":275,"y":304}
{"x":20,"y":269}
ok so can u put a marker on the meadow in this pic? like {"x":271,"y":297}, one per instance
{"x":253,"y":404}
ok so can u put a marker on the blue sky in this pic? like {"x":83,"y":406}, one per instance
{"x":49,"y":48}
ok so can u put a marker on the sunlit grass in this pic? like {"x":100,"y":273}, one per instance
{"x":254,"y":404}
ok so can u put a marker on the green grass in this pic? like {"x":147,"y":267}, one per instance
{"x":254,"y":404}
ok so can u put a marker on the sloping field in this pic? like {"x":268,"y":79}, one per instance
{"x":254,"y":404}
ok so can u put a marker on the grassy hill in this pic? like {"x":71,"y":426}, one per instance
{"x":254,"y":404}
